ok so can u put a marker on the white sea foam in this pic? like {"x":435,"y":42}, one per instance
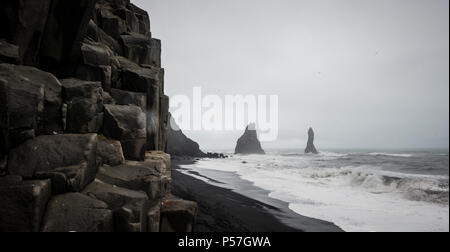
{"x":391,"y":154}
{"x":356,"y":198}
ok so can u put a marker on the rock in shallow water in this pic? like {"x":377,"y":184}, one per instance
{"x":310,"y":148}
{"x":249,"y":143}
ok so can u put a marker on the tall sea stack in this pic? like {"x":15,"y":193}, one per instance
{"x":249,"y":143}
{"x":83,"y":121}
{"x":310,"y":148}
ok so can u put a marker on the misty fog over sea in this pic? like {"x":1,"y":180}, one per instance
{"x":357,"y":190}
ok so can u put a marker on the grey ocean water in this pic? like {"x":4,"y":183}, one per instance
{"x":359,"y":190}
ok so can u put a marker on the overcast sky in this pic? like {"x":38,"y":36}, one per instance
{"x":362,"y":73}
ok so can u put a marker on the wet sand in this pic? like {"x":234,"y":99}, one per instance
{"x":240,"y":208}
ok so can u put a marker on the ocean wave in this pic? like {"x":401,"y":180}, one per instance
{"x":321,"y":154}
{"x":391,"y":154}
{"x":360,"y":194}
{"x":433,"y":189}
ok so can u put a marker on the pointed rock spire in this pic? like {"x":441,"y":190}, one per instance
{"x":310,"y":148}
{"x":249,"y":143}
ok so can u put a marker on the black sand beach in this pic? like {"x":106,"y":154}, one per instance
{"x":223,"y":210}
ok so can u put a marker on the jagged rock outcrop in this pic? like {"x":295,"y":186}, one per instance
{"x":179,"y":144}
{"x":84,"y":120}
{"x":310,"y":148}
{"x":249,"y":143}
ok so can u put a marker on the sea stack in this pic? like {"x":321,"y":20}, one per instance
{"x":249,"y":143}
{"x":310,"y":148}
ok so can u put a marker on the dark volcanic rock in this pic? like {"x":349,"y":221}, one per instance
{"x":65,"y":29}
{"x":96,"y":54}
{"x":22,"y":204}
{"x":142,"y":49}
{"x":110,"y":151}
{"x":68,"y":160}
{"x":310,"y":148}
{"x":164,"y":122}
{"x":9,"y":53}
{"x":122,"y":97}
{"x":112,"y":24}
{"x":84,"y":106}
{"x":31,"y":104}
{"x":154,"y":219}
{"x":249,"y":143}
{"x":96,"y":34}
{"x":145,"y":80}
{"x":76,"y":212}
{"x":47,"y":32}
{"x":130,"y":207}
{"x":178,"y":215}
{"x":23,"y":24}
{"x":107,"y":98}
{"x":143,"y":19}
{"x":128,"y":125}
{"x":112,"y":84}
{"x":150,"y":176}
{"x":180,"y":145}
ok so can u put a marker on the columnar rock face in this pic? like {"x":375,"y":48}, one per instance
{"x":249,"y":143}
{"x":185,"y":211}
{"x":110,"y":152}
{"x":84,"y":101}
{"x":128,"y":125}
{"x":68,"y":160}
{"x":23,"y":203}
{"x":310,"y":148}
{"x":76,"y":212}
{"x":31,"y":101}
{"x":83,"y":122}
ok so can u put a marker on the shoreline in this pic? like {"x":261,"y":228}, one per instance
{"x":227,"y":210}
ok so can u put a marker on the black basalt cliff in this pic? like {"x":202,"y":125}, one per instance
{"x":179,"y":144}
{"x":84,"y":120}
{"x":248,"y":143}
